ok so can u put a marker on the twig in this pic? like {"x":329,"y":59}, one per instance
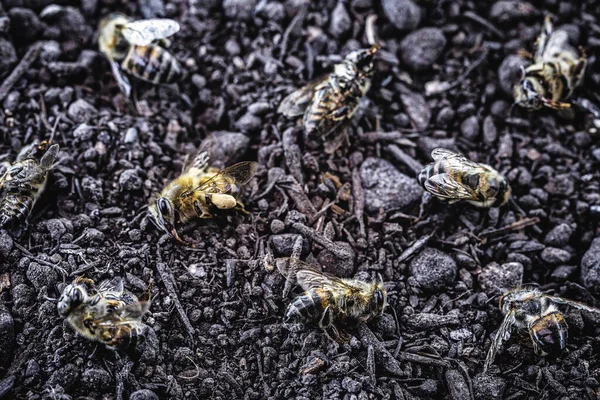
{"x":295,"y":24}
{"x":511,"y":227}
{"x":359,"y":201}
{"x":323,"y":241}
{"x":28,"y":254}
{"x":483,"y":22}
{"x":385,"y":358}
{"x":425,"y":360}
{"x":404,"y":158}
{"x":167,"y":278}
{"x":415,"y":247}
{"x":370,"y":29}
{"x":19,"y":70}
{"x":121,"y":375}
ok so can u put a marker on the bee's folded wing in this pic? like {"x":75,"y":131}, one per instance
{"x":443,"y":186}
{"x":296,"y":102}
{"x":238,"y":174}
{"x":144,"y":32}
{"x":114,"y":285}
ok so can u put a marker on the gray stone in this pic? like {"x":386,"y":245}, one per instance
{"x":341,"y":23}
{"x":511,"y":11}
{"x":555,"y":256}
{"x":509,"y":73}
{"x":6,"y":244}
{"x":249,"y":123}
{"x":8,"y":56}
{"x":497,"y":279}
{"x":240,"y":10}
{"x":25,"y":26}
{"x":559,"y":235}
{"x":96,"y":379}
{"x":229,"y":148}
{"x":417,"y":109}
{"x":386,"y":187}
{"x":41,"y":275}
{"x":488,"y":387}
{"x":470,"y":128}
{"x":143,"y":394}
{"x":56,"y":227}
{"x":420,"y":49}
{"x":7,"y":336}
{"x":433,"y":269}
{"x":81,"y":111}
{"x":590,"y":267}
{"x":405,"y":15}
{"x":130,"y":180}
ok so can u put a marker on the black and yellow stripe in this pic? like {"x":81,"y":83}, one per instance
{"x":152,"y":64}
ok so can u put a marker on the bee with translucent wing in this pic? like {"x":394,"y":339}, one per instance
{"x":538,"y":313}
{"x":454,"y":177}
{"x":331,"y":101}
{"x":198,"y":192}
{"x":330,"y":300}
{"x":105,"y":313}
{"x":556,"y":71}
{"x":137,"y":47}
{"x":24,"y":181}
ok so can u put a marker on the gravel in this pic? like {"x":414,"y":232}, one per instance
{"x":405,"y":15}
{"x":433,"y":270}
{"x":420,"y":49}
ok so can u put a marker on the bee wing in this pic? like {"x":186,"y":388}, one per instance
{"x":121,"y":79}
{"x":574,"y":304}
{"x":239,"y":173}
{"x":296,"y":102}
{"x":502,"y":335}
{"x":309,"y":279}
{"x":130,"y":312}
{"x":200,"y":160}
{"x":441,"y":153}
{"x":444,"y":186}
{"x":146,"y":31}
{"x":289,"y":267}
{"x":114,"y":285}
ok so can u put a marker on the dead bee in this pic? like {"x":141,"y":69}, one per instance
{"x":332,"y":301}
{"x":198,"y":191}
{"x":538,"y":313}
{"x":137,"y":47}
{"x":556,"y":71}
{"x":453,"y":177}
{"x":332,"y":100}
{"x":107,"y":314}
{"x":23,"y":183}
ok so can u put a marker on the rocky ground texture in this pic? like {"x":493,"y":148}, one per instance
{"x":444,"y":78}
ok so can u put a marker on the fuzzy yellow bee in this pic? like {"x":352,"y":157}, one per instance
{"x":453,"y":177}
{"x":556,"y":71}
{"x":332,"y":301}
{"x":105,"y":313}
{"x":136,"y":47}
{"x":23,"y":183}
{"x":538,"y":313}
{"x":198,"y":192}
{"x":329,"y":102}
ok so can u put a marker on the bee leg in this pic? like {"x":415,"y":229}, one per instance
{"x":240,"y":207}
{"x":222,"y":201}
{"x":525,"y":54}
{"x":579,"y":69}
{"x":555,"y":105}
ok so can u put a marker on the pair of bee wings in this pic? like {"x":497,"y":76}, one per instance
{"x":142,"y":33}
{"x":503,"y":333}
{"x":224,"y":181}
{"x":309,"y":278}
{"x":444,"y":185}
{"x":146,"y":31}
{"x":124,"y":315}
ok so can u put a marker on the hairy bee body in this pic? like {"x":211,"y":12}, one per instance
{"x":538,"y":313}
{"x":329,"y":102}
{"x":109,"y":315}
{"x":556,"y":71}
{"x":141,"y":55}
{"x":333,"y":301}
{"x":199,"y":192}
{"x":23,"y":183}
{"x":453,"y":177}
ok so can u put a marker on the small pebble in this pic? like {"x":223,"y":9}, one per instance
{"x":433,"y":270}
{"x":405,"y":15}
{"x":420,"y":49}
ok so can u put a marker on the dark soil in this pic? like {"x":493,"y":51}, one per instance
{"x":216,"y":318}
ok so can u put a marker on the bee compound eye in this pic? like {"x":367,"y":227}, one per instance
{"x":163,"y":206}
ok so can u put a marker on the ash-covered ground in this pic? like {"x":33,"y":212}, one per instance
{"x":444,"y":78}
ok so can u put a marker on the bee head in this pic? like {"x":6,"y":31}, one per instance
{"x":162,"y":214}
{"x":379,"y":295}
{"x":363,"y":59}
{"x":500,"y":189}
{"x":73,"y":295}
{"x":530,"y":93}
{"x":111,"y":41}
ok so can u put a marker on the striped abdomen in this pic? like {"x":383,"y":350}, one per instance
{"x":549,"y":333}
{"x":152,"y":64}
{"x":15,"y":208}
{"x":430,"y":170}
{"x":125,"y":336}
{"x":309,"y":306}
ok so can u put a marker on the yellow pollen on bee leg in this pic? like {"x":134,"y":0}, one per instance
{"x":223,"y":201}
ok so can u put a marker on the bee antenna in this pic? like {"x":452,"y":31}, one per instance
{"x":396,"y":321}
{"x":50,"y":298}
{"x":513,"y":204}
{"x":493,"y":298}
